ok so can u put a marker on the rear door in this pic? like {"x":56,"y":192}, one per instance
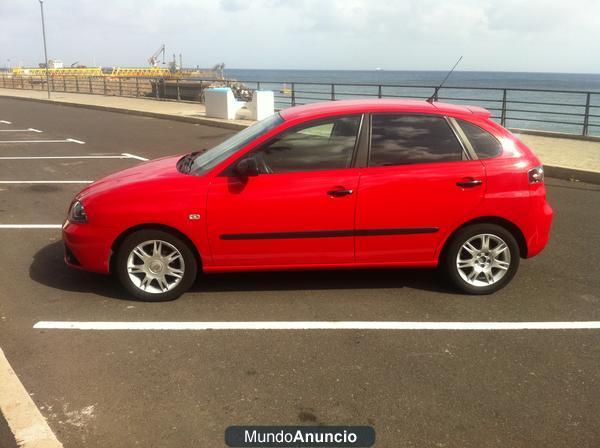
{"x":299,"y":211}
{"x":418,"y":184}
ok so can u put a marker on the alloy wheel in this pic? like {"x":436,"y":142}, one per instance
{"x":483,"y":260}
{"x":155,"y":266}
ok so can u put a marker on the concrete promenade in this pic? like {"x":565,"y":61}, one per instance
{"x":566,"y":158}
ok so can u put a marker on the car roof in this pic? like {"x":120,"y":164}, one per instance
{"x":380,"y":105}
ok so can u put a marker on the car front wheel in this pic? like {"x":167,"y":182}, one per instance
{"x":482,"y":258}
{"x":155,"y":266}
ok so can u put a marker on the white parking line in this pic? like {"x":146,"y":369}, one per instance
{"x":75,"y":141}
{"x":5,"y":122}
{"x":122,"y":156}
{"x":133,"y":156}
{"x":30,"y":226}
{"x":21,"y":130}
{"x":68,"y":140}
{"x":318,"y":325}
{"x":46,"y":181}
{"x":20,"y":412}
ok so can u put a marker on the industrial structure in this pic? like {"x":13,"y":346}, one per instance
{"x":174,"y":69}
{"x":145,"y":72}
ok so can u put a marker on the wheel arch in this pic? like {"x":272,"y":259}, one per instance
{"x":502,"y":222}
{"x":152,"y":226}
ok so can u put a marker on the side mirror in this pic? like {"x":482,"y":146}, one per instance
{"x":247,"y":167}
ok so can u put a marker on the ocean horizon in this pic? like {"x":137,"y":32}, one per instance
{"x":547,"y":101}
{"x":498,"y":79}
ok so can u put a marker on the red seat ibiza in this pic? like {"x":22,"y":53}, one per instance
{"x":347,"y":184}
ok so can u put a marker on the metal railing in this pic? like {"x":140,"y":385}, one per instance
{"x":564,"y":111}
{"x":126,"y":86}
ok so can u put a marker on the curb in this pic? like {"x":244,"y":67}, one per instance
{"x":551,"y":134}
{"x":7,"y":438}
{"x":558,"y":172}
{"x":27,"y":424}
{"x":572,"y":174}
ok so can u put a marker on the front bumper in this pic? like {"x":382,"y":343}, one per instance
{"x":87,"y":247}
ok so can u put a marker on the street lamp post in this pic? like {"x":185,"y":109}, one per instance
{"x":45,"y":51}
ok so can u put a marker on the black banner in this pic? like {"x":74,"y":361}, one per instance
{"x":299,"y":436}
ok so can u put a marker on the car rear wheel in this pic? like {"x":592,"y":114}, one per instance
{"x":482,"y":258}
{"x":155,"y":266}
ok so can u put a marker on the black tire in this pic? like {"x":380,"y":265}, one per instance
{"x":190,"y":265}
{"x":451,"y":252}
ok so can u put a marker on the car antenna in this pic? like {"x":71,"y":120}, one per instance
{"x":434,"y":97}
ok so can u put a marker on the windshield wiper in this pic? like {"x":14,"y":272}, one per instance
{"x":184,"y":165}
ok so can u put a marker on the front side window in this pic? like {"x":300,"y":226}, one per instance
{"x":484,"y":144}
{"x":326,"y":145}
{"x":408,"y":139}
{"x":209,"y":159}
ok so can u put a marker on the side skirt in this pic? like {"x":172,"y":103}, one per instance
{"x":304,"y":267}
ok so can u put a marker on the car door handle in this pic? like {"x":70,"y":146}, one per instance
{"x":469,"y":183}
{"x":338,"y":193}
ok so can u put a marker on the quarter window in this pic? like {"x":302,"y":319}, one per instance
{"x":484,"y":144}
{"x":408,"y":139}
{"x":326,"y":145}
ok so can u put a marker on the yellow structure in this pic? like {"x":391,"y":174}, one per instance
{"x":145,"y":72}
{"x":155,"y":72}
{"x":141,"y":71}
{"x":97,"y":71}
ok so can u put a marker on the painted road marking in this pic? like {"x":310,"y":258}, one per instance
{"x":122,"y":156}
{"x":317,"y":325}
{"x":46,"y":181}
{"x":30,"y":226}
{"x":5,"y":122}
{"x":68,"y":140}
{"x":20,"y":130}
{"x":20,"y":412}
{"x":133,"y":156}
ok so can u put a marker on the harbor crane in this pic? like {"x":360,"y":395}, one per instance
{"x":153,"y":60}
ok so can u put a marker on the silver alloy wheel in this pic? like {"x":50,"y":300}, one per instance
{"x":155,"y":266}
{"x":483,"y":260}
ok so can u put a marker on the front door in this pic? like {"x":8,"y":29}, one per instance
{"x":418,"y":184}
{"x":299,"y":210}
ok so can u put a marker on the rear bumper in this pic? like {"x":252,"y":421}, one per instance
{"x":538,"y":239}
{"x":86,"y":247}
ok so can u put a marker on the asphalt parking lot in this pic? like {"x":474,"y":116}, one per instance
{"x":434,"y":388}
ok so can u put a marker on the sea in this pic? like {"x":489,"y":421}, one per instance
{"x":545,"y":101}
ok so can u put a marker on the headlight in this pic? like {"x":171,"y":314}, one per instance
{"x":77,"y":212}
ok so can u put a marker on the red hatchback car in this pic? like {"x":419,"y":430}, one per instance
{"x":346,"y":184}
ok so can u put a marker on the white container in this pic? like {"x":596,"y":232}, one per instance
{"x":262,"y":104}
{"x":220,"y":103}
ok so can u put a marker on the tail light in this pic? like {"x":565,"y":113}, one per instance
{"x":536,"y":175}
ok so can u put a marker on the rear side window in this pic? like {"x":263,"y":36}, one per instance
{"x":408,"y":139}
{"x":484,"y":143}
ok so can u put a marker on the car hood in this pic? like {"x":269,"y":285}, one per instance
{"x":158,"y":170}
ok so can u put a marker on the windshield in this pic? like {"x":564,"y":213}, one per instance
{"x":209,"y":159}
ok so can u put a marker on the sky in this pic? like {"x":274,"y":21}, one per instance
{"x":492,"y":35}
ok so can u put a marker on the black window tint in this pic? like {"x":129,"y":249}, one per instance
{"x":484,"y":143}
{"x":325,"y":145}
{"x":407,"y":139}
